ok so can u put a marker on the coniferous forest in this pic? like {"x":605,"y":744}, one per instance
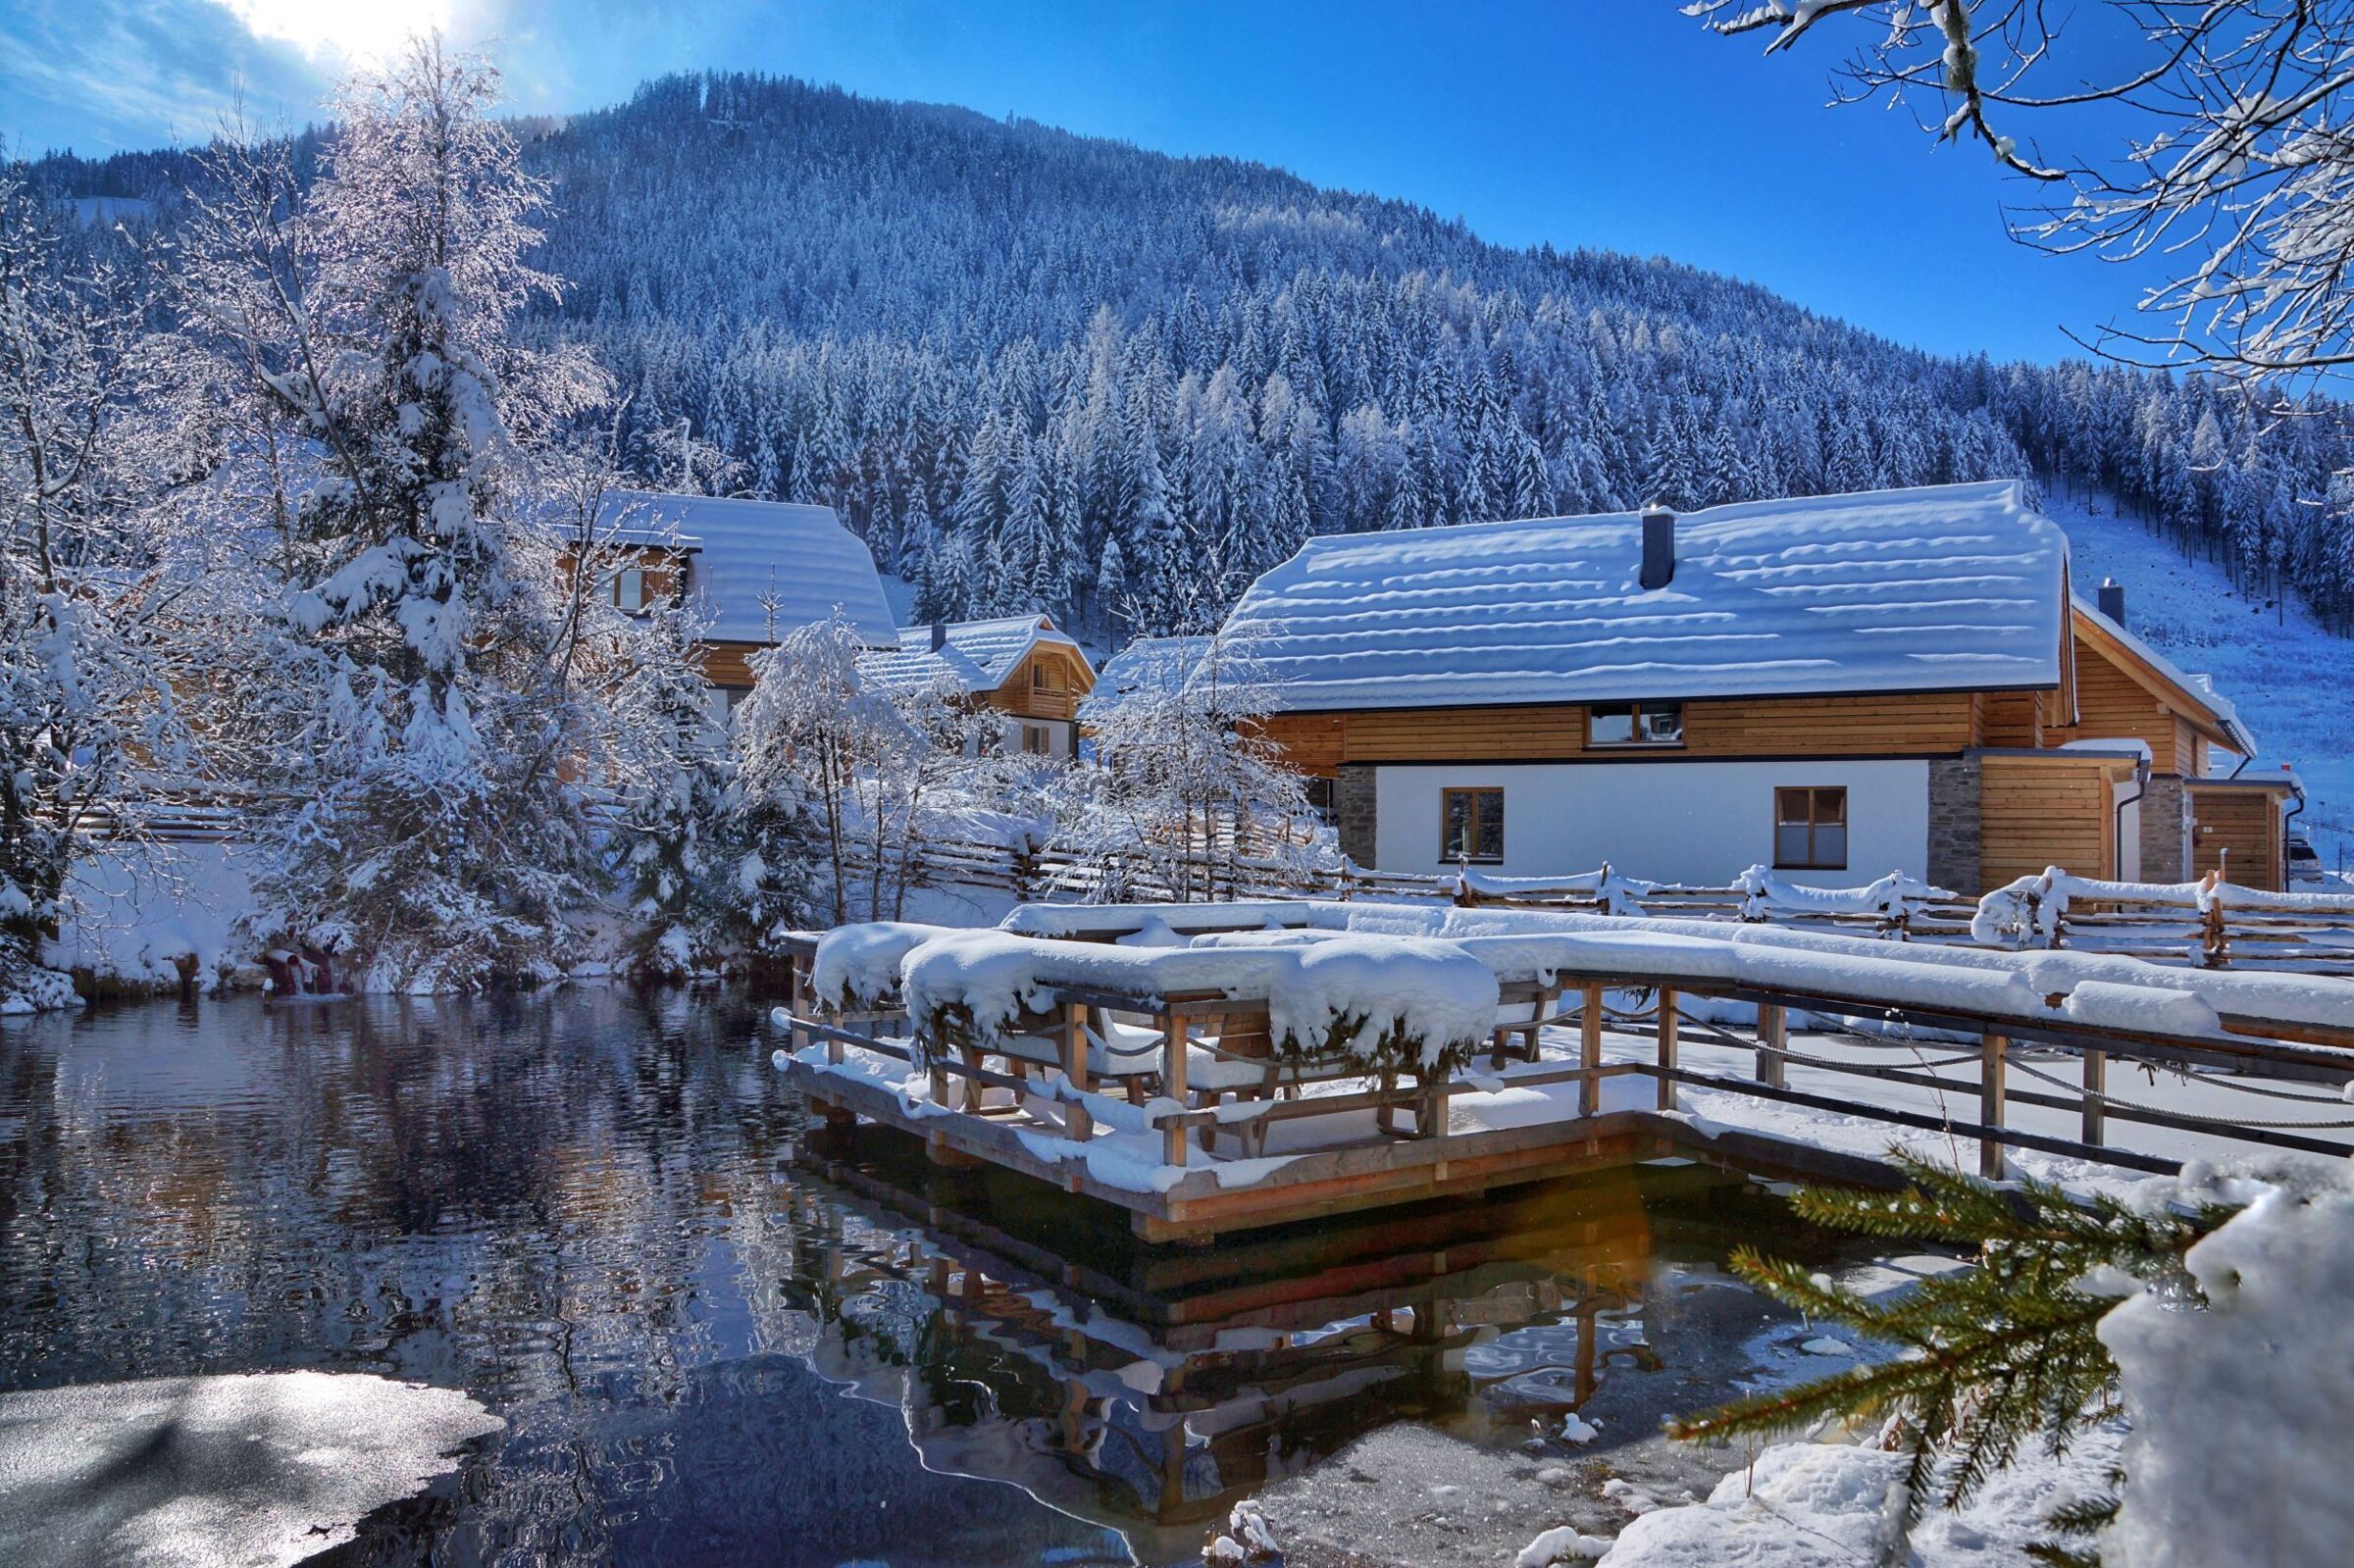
{"x":1037,"y":369}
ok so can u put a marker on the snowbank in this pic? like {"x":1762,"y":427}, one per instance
{"x":131,"y":913}
{"x":2237,"y":1410}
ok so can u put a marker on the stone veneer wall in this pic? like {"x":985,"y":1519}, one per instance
{"x":2165,"y":830}
{"x":1956,"y":840}
{"x":1353,"y":807}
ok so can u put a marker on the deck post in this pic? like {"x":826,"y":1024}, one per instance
{"x":1589,"y":1052}
{"x":2096,"y":1107}
{"x":1172,"y":1085}
{"x":1993,"y":1057}
{"x":1668,"y":1030}
{"x":1773,"y":1037}
{"x":1076,"y":1122}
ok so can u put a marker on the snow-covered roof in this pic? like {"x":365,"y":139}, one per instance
{"x":1956,"y":586}
{"x":1150,"y":664}
{"x":742,"y":552}
{"x":978,"y":656}
{"x":2199,"y":688}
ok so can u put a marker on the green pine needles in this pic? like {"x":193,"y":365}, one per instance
{"x":1994,"y":1356}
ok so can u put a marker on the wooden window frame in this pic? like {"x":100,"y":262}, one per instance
{"x":1448,"y":854}
{"x":646,"y":596}
{"x":1045,"y":681}
{"x":1044,"y":737}
{"x":1635,"y":719}
{"x":1814,"y":860}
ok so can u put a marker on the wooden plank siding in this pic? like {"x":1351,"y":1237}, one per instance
{"x":1066,"y":679}
{"x":2111,"y":705}
{"x":2049,"y":810}
{"x":2245,"y":821}
{"x":1898,"y":724}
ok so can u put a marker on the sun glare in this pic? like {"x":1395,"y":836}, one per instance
{"x":353,"y":29}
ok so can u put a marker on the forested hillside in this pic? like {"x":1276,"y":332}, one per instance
{"x":1034,"y":368}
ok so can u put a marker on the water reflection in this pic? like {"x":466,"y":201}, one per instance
{"x":592,"y":1211}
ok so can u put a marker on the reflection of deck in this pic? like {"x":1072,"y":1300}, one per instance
{"x":1147,"y":1391}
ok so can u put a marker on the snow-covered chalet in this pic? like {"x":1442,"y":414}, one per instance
{"x":1019,"y":665}
{"x":752,"y":569}
{"x":1834,"y":686}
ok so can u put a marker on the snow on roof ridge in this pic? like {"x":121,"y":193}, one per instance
{"x":797,"y":555}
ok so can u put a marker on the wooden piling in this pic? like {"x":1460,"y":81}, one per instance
{"x":1773,"y":1037}
{"x":1078,"y":1124}
{"x":1668,"y":1042}
{"x":1589,"y":1052}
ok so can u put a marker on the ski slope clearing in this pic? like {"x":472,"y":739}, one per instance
{"x":2288,"y":677}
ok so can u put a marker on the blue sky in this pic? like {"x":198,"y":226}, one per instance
{"x":1609,"y":122}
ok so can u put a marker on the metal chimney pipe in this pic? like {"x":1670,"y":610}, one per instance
{"x":1658,"y":547}
{"x":2113,"y":600}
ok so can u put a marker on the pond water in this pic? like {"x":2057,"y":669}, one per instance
{"x":715,"y":1337}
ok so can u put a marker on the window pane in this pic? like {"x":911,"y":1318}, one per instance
{"x":628,"y":589}
{"x":1830,"y":845}
{"x":1789,"y":807}
{"x":1613,"y":726}
{"x":1830,"y":805}
{"x":1491,"y":824}
{"x":1663,"y":722}
{"x":1456,"y":838}
{"x":1790,"y":845}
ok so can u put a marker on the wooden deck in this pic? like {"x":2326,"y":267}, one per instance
{"x":1305,"y":1144}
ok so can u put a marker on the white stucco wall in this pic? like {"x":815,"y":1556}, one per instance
{"x":1058,"y":734}
{"x":1691,"y":821}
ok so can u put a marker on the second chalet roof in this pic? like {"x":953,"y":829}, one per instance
{"x":978,"y":656}
{"x":757,"y":565}
{"x":1956,"y":586}
{"x":1148,"y":668}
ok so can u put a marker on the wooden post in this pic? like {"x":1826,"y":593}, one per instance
{"x":1589,"y":1052}
{"x":2096,"y":1084}
{"x":1992,"y":1055}
{"x":1172,"y":1086}
{"x":1773,"y":1037}
{"x":1076,"y":1122}
{"x":1668,"y":1026}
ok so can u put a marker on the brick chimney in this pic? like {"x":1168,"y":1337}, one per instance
{"x":1658,"y":547}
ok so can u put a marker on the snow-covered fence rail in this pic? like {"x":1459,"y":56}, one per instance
{"x":1287,"y":1027}
{"x":2211,"y":923}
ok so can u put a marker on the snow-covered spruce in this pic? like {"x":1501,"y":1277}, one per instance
{"x":422,"y":687}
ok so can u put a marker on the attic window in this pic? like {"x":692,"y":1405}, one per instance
{"x":1635,"y":724}
{"x":1045,"y":677}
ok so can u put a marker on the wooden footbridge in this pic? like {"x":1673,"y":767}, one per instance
{"x":1180,"y":1108}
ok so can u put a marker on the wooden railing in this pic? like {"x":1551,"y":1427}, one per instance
{"x":2261,"y":1055}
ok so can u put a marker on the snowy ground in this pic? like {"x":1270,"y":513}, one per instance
{"x":2288,"y":677}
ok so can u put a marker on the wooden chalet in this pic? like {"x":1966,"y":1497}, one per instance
{"x":1834,"y":686}
{"x":1019,"y":665}
{"x":753,"y":569}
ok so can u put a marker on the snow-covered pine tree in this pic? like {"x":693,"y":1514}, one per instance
{"x":87,"y":575}
{"x":430,"y":711}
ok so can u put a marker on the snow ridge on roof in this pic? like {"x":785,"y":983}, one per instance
{"x":1939,"y":587}
{"x":748,"y":554}
{"x":979,"y":655}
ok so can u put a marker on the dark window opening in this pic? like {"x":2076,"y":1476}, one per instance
{"x":1635,"y":724}
{"x":1810,"y":829}
{"x":1471,"y":825}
